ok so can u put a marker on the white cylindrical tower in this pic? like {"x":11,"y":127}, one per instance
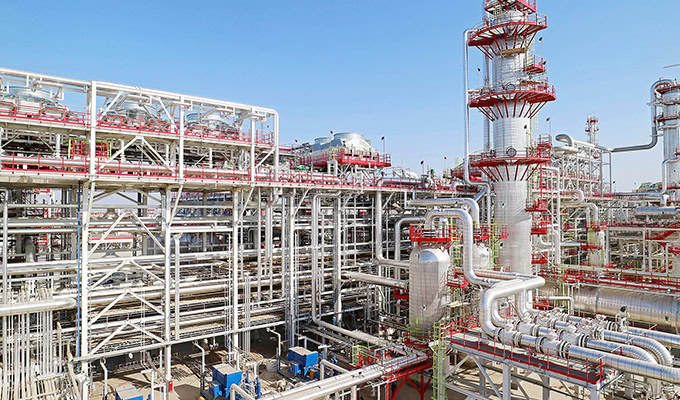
{"x":669,"y":123}
{"x":517,"y":91}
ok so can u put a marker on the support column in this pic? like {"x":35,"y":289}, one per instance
{"x":507,"y":388}
{"x":546,"y":387}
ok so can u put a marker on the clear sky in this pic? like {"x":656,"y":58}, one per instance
{"x":384,"y":68}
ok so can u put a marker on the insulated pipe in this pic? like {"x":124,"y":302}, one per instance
{"x":315,"y":245}
{"x":468,"y":242}
{"x":397,"y":233}
{"x":466,"y":161}
{"x":652,"y":107}
{"x":654,"y":308}
{"x":668,"y":212}
{"x":106,"y":379}
{"x":620,"y":348}
{"x":570,"y":142}
{"x":202,"y":363}
{"x":668,"y":339}
{"x":326,"y":363}
{"x":661,"y":354}
{"x":447,"y":202}
{"x":10,"y":309}
{"x":375,"y":280}
{"x":564,"y":349}
{"x":278,"y":345}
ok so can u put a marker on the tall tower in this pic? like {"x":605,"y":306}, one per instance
{"x":517,"y":91}
{"x":668,"y":121}
{"x":592,"y":129}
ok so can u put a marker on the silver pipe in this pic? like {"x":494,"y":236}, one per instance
{"x":397,"y":233}
{"x":668,"y":339}
{"x":620,"y":348}
{"x":106,"y":379}
{"x":468,"y":242}
{"x":448,"y":202}
{"x":668,"y":212}
{"x":562,"y":349}
{"x":10,"y":309}
{"x":375,"y":280}
{"x":652,"y":107}
{"x":466,"y":161}
{"x":654,"y":308}
{"x":660,"y":352}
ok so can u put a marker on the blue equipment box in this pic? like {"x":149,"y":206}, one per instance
{"x":128,"y":392}
{"x":226,"y":375}
{"x":301,"y":360}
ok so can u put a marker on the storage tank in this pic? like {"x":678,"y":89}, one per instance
{"x":321,"y":143}
{"x":428,"y":292}
{"x":212,"y":121}
{"x":351,"y":140}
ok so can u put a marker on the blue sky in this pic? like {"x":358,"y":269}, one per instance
{"x":384,"y":68}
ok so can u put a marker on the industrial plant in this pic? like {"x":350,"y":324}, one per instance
{"x":160,"y":245}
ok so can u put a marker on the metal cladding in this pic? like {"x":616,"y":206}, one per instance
{"x":510,"y":211}
{"x":653,"y":308}
{"x":517,"y":90}
{"x":428,"y":293}
{"x":669,"y":124}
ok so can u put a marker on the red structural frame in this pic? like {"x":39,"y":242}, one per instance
{"x":495,"y":36}
{"x":520,"y":5}
{"x":512,"y":101}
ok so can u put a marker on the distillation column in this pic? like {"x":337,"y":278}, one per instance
{"x":517,"y":91}
{"x":669,"y":124}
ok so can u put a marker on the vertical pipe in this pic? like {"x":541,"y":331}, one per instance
{"x":5,"y":286}
{"x":337,"y":263}
{"x":167,"y":247}
{"x":181,"y":140}
{"x":252,"y":151}
{"x":292,"y":295}
{"x":315,"y":252}
{"x":258,"y":244}
{"x":84,"y":289}
{"x":276,"y":145}
{"x":177,"y":279}
{"x":106,"y":379}
{"x":234,"y":267}
{"x":93,"y":128}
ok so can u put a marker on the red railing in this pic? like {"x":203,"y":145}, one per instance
{"x":511,"y":89}
{"x":64,"y":166}
{"x":615,"y":277}
{"x":525,"y":5}
{"x":345,"y":157}
{"x":591,"y":372}
{"x":42,"y":112}
{"x":419,"y":234}
{"x":52,"y":114}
